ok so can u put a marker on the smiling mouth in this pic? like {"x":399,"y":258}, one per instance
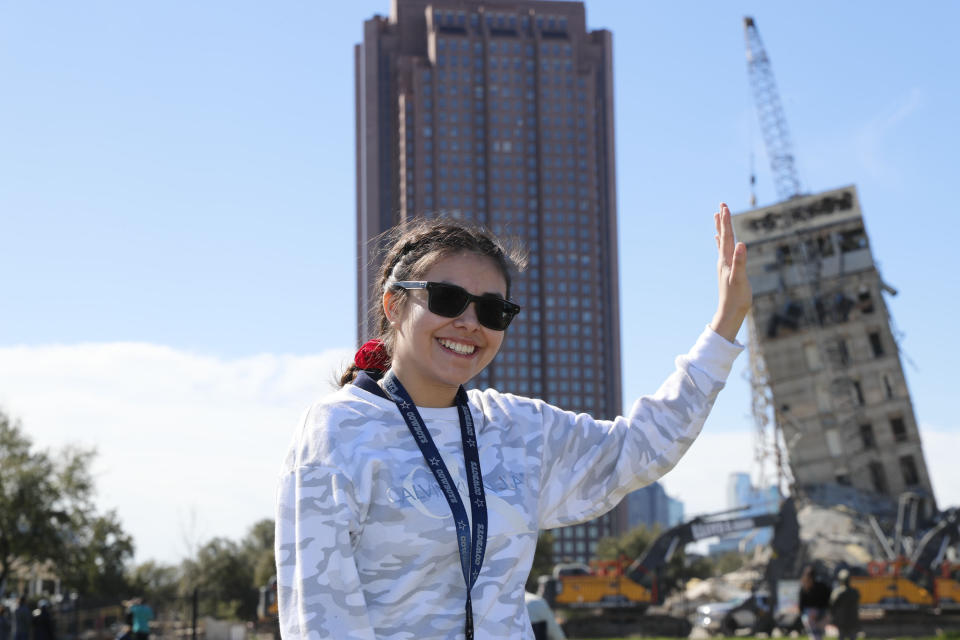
{"x":457,"y":347}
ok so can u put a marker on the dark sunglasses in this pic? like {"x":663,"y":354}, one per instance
{"x":449,"y":301}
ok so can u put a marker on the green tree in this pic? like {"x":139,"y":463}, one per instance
{"x":224,"y":579}
{"x":683,"y":567}
{"x":47,"y":515}
{"x":96,"y":562}
{"x":228,"y":573}
{"x":630,"y":545}
{"x":727,"y":562}
{"x":258,"y":547}
{"x":155,"y":583}
{"x":542,"y":560}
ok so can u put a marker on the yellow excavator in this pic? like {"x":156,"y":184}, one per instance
{"x":635,"y":585}
{"x":924,"y":579}
{"x":268,"y":618}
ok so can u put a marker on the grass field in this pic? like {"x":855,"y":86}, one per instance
{"x":952,"y":635}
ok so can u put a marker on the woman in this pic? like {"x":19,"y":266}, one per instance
{"x":814,"y":603}
{"x":409,"y":508}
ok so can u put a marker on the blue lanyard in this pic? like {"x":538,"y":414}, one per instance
{"x":472,"y":547}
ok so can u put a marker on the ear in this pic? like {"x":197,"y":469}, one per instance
{"x":390,"y":309}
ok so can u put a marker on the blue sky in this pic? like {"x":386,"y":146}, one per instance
{"x":177,"y":207}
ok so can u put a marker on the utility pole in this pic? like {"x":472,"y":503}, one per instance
{"x":196,"y":606}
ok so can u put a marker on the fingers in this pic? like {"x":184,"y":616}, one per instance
{"x":726,"y":234}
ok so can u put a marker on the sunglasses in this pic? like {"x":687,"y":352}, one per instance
{"x":450,"y":301}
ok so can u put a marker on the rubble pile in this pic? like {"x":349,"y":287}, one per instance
{"x":730,"y":586}
{"x":836,"y":535}
{"x":831,"y":535}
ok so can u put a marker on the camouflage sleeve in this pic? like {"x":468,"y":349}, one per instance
{"x":318,"y":586}
{"x":589,"y":465}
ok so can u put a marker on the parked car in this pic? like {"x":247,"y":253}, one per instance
{"x":710,"y":616}
{"x":749,"y":613}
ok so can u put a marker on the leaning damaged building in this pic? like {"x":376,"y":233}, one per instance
{"x":829,"y":357}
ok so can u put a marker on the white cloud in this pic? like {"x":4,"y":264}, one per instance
{"x":190,"y":445}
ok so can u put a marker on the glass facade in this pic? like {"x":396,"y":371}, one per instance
{"x":502,"y":116}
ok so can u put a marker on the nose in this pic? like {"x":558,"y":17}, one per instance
{"x":468,"y":318}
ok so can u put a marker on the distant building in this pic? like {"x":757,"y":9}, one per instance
{"x":757,"y":500}
{"x":501,"y":112}
{"x":832,"y":361}
{"x":652,"y":507}
{"x":675,"y":511}
{"x":33,"y":579}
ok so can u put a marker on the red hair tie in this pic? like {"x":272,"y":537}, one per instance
{"x":372,"y":356}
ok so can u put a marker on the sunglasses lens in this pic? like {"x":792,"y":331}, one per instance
{"x":447,"y":300}
{"x":494,"y":313}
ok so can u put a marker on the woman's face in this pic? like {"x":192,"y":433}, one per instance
{"x":433,"y":355}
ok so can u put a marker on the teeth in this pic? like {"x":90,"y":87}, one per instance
{"x":465,"y":349}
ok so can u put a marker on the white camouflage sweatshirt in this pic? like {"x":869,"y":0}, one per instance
{"x":366,"y":546}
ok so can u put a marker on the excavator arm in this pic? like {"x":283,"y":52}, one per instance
{"x":786,"y":535}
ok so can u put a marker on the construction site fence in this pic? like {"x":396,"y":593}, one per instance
{"x":180,"y":618}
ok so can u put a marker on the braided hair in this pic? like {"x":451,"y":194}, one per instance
{"x":412,"y":248}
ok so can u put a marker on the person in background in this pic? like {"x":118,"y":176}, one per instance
{"x":845,"y":607}
{"x":6,"y":624}
{"x":43,"y":627}
{"x":125,"y":632}
{"x":814,"y":603}
{"x":544,"y":623}
{"x":142,"y":615}
{"x":22,"y":620}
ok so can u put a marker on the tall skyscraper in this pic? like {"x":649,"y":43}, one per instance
{"x":502,"y":113}
{"x":828,"y":351}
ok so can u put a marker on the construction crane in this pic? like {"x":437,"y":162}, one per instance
{"x":773,"y":121}
{"x":776,"y":137}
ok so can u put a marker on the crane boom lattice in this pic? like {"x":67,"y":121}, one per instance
{"x":773,"y":122}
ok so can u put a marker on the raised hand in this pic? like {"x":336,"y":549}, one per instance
{"x":734,"y":288}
